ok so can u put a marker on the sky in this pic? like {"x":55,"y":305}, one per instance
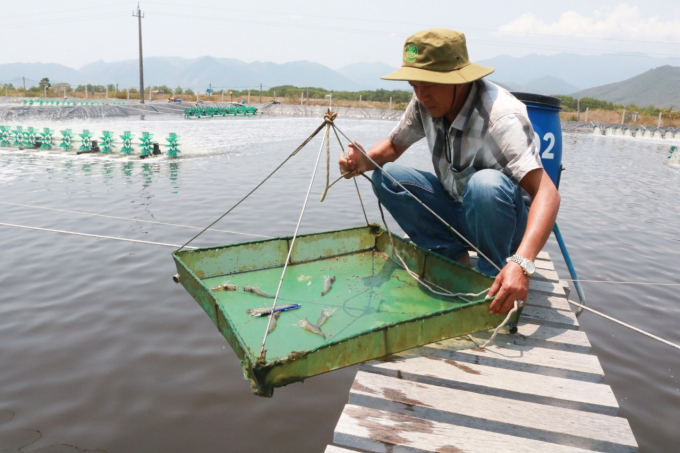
{"x":74,"y":32}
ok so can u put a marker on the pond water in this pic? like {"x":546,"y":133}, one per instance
{"x":101,"y":350}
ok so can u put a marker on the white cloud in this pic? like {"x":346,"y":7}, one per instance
{"x":622,"y":22}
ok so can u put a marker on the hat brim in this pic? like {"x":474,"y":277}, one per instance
{"x":467,"y":74}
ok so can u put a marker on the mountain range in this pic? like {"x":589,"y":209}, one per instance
{"x":563,"y":73}
{"x":659,"y":87}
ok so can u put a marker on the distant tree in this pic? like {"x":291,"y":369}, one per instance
{"x":44,"y":83}
{"x":111,"y":87}
{"x":178,"y":90}
{"x":189,"y":91}
{"x":10,"y":86}
{"x":162,"y":89}
{"x":59,"y":87}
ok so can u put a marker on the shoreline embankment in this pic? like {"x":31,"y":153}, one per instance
{"x":13,"y":110}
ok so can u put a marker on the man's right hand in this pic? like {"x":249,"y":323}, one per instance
{"x":354,"y":162}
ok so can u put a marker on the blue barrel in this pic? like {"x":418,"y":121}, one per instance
{"x":544,"y":113}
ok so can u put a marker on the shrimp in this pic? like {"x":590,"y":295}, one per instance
{"x":258,"y":291}
{"x":272,"y":325}
{"x":305,"y":324}
{"x":325,"y":314}
{"x":327,"y":284}
{"x":226,"y":286}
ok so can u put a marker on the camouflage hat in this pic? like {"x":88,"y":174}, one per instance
{"x":438,"y":55}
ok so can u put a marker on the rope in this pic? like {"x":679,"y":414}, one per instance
{"x":290,"y":250}
{"x":624,"y":324}
{"x":318,"y":129}
{"x":90,"y":235}
{"x":620,"y":283}
{"x":360,"y":148}
{"x":125,"y":218}
{"x":328,"y":163}
{"x":425,"y":283}
{"x":361,"y":201}
{"x":505,"y":321}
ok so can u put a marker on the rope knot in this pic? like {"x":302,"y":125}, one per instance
{"x":329,"y":116}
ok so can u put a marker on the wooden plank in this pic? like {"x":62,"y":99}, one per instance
{"x":544,"y":264}
{"x":381,"y":431}
{"x":334,"y":449}
{"x":547,"y":287}
{"x":488,"y":380}
{"x":494,"y":414}
{"x":545,"y":300}
{"x":539,"y":336}
{"x":509,"y":355}
{"x":540,"y":274}
{"x":542,"y":257}
{"x":544,"y":274}
{"x":539,"y":315}
{"x":542,"y":336}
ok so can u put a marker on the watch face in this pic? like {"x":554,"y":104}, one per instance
{"x":530,"y":267}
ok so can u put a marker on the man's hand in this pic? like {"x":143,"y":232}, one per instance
{"x":354,"y":162}
{"x":510,"y":285}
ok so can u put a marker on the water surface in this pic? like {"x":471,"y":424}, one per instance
{"x":102,"y":351}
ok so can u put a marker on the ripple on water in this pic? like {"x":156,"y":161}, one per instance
{"x":102,"y":350}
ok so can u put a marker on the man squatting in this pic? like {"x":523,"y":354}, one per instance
{"x":489,"y":185}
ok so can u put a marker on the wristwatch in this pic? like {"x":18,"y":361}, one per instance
{"x":527,"y":266}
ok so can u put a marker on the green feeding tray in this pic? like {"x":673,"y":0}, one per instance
{"x":379,"y":308}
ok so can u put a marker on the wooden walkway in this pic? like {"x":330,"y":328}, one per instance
{"x":539,"y":390}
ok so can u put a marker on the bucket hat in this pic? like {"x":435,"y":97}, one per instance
{"x":438,"y":55}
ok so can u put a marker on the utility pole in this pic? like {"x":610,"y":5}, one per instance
{"x":659,"y":120}
{"x":209,"y":91}
{"x":140,"y":16}
{"x":578,"y":109}
{"x":116,"y":91}
{"x":390,"y":102}
{"x":260,"y":92}
{"x":623,"y":116}
{"x":302,"y":97}
{"x":586,"y":114}
{"x":46,"y":91}
{"x":128,"y":93}
{"x":248,"y":97}
{"x":307,"y":96}
{"x":24,"y":85}
{"x":359,"y":101}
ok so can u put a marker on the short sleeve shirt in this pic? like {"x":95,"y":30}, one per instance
{"x":492,"y":131}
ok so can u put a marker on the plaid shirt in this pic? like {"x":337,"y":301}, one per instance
{"x":492,"y":130}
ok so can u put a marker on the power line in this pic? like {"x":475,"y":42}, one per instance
{"x":63,"y":21}
{"x":64,"y":10}
{"x":356,"y":19}
{"x":391,"y":33}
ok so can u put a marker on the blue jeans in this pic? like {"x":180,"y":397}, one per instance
{"x":492,"y":216}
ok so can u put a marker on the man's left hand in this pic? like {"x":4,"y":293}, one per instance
{"x":510,"y":285}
